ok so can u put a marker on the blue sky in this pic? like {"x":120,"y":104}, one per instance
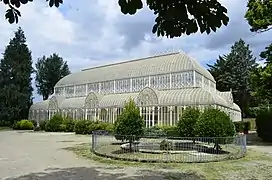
{"x":95,"y":32}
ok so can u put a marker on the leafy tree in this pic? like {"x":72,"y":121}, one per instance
{"x":187,"y":122}
{"x":15,"y":79}
{"x":214,"y":123}
{"x":261,"y":78}
{"x":49,"y":70}
{"x":233,"y":72}
{"x":259,"y":15}
{"x":129,"y":125}
{"x":175,"y":18}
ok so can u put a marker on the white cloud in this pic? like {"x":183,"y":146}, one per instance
{"x":94,"y":32}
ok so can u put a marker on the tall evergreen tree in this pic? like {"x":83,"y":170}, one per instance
{"x":267,"y":54}
{"x":235,"y":70}
{"x":261,"y":79}
{"x":15,"y":81}
{"x":218,"y":71}
{"x":49,"y":70}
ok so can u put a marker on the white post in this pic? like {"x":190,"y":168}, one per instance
{"x":49,"y":114}
{"x":74,"y":93}
{"x":178,"y":115}
{"x":158,"y":115}
{"x":171,"y":120}
{"x":194,"y":78}
{"x":38,"y":121}
{"x":170,"y":79}
{"x":149,"y":117}
{"x":146,"y":117}
{"x":74,"y":113}
{"x":153,"y":116}
{"x":113,"y":114}
{"x":86,"y":113}
{"x":86,"y":89}
{"x":107,"y":118}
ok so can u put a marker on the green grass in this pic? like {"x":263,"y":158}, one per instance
{"x":5,"y":128}
{"x":255,"y":165}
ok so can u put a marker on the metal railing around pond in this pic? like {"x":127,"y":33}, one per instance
{"x":166,"y":149}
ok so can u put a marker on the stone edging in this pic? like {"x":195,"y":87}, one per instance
{"x":159,"y":161}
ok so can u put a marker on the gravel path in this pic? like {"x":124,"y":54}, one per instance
{"x":40,"y":156}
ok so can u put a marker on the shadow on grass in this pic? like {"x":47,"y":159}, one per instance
{"x":84,"y":173}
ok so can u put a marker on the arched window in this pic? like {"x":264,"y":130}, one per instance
{"x":147,"y":97}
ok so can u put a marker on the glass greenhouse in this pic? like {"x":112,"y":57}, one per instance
{"x":162,"y":86}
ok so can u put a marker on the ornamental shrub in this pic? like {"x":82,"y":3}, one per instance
{"x":99,"y":125}
{"x":82,"y":127}
{"x":170,"y":131}
{"x":188,"y":119}
{"x":154,"y":131}
{"x":23,"y":125}
{"x":55,"y":124}
{"x":68,"y":124}
{"x":264,"y":124}
{"x":129,"y":125}
{"x":26,"y":125}
{"x":214,"y":123}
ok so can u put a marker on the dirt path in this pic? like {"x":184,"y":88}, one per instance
{"x":41,"y":156}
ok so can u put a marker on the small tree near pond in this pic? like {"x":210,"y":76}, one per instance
{"x":214,"y":123}
{"x":187,"y":122}
{"x":129,"y":125}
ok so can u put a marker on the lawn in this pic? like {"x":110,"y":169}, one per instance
{"x":255,"y":165}
{"x":4,"y":128}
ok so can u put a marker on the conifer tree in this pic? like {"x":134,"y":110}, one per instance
{"x":233,"y":73}
{"x":15,"y":82}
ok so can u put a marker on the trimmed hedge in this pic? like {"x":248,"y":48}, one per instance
{"x":68,"y":124}
{"x":154,"y":131}
{"x":264,"y":124}
{"x":87,"y":126}
{"x":82,"y":127}
{"x":99,"y":125}
{"x":23,"y":125}
{"x":170,"y":131}
{"x":55,"y":124}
